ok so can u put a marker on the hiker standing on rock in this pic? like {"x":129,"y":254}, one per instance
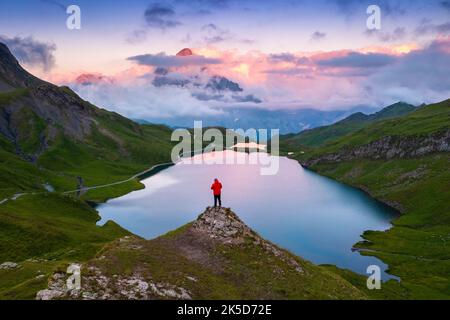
{"x":216,"y":187}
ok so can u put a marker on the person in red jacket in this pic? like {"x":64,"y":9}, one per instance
{"x":216,"y":187}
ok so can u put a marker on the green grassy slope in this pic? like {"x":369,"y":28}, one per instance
{"x":48,"y":131}
{"x":116,"y":149}
{"x":417,"y":248}
{"x":54,"y":229}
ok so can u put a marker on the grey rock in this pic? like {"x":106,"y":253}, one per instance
{"x":224,"y":226}
{"x":9,"y":265}
{"x":48,"y":294}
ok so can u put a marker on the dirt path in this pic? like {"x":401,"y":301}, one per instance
{"x":119,"y":182}
{"x":84,"y":189}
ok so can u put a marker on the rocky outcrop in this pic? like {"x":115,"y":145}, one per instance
{"x":389,"y":147}
{"x":224,"y":226}
{"x":98,"y":286}
{"x":56,"y":288}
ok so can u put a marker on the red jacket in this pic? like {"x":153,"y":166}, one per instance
{"x":216,"y":187}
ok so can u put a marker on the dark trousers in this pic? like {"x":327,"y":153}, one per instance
{"x":217,"y":198}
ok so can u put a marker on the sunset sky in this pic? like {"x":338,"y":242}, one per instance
{"x":283,"y":54}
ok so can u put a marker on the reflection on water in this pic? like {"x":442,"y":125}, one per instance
{"x":312,"y":216}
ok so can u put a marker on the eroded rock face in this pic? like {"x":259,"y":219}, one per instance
{"x":221,"y":84}
{"x":390,"y":147}
{"x":42,"y":112}
{"x":222,"y":224}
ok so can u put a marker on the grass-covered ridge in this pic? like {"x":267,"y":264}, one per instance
{"x":52,"y":229}
{"x":322,"y":135}
{"x":115,"y":149}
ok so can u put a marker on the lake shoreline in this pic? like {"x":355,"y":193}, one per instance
{"x":393,"y":206}
{"x":361,"y":246}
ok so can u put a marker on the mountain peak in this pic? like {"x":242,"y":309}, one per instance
{"x":394,"y":110}
{"x":185,"y":52}
{"x":358,"y":116}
